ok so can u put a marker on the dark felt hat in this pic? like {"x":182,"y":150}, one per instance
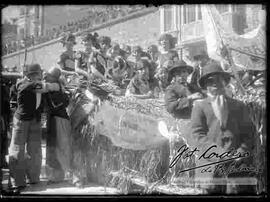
{"x":178,"y":65}
{"x":33,"y":68}
{"x":200,"y":55}
{"x":213,"y":69}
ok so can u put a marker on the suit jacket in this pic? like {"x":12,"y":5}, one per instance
{"x":26,"y":101}
{"x":206,"y":131}
{"x":205,"y":127}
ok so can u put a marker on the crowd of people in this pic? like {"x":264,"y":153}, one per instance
{"x":198,"y":92}
{"x":93,"y":18}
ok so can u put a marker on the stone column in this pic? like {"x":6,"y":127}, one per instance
{"x":36,"y":21}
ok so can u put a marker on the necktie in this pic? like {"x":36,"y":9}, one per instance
{"x":38,"y":99}
{"x":220,"y":108}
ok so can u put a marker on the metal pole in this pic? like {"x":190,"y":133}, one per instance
{"x":229,"y":57}
{"x":249,"y":54}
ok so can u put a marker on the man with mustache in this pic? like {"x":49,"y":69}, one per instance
{"x":220,"y":124}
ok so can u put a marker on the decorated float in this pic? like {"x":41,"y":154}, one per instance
{"x":129,"y":143}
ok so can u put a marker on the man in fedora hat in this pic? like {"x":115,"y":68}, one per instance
{"x":179,"y":96}
{"x":26,"y":132}
{"x":221,"y":125}
{"x":58,"y":147}
{"x":201,"y":59}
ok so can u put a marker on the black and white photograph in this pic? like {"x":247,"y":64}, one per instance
{"x":133,"y":100}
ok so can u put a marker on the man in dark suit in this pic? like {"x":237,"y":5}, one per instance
{"x":25,"y":155}
{"x":179,"y":96}
{"x":222,"y":130}
{"x":201,"y":59}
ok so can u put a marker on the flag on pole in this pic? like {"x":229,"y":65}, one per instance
{"x":247,"y":51}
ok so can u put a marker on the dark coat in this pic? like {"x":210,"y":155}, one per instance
{"x":176,"y":100}
{"x":26,"y":100}
{"x":206,"y":130}
{"x":194,"y":79}
{"x":57,"y":102}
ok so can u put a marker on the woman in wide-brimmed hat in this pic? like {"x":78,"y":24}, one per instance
{"x":139,"y":86}
{"x":222,"y":123}
{"x":179,"y":96}
{"x":177,"y":68}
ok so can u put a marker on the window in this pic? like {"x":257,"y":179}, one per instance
{"x":168,"y":18}
{"x":199,"y":12}
{"x":189,"y":13}
{"x":222,"y":8}
{"x":21,"y":31}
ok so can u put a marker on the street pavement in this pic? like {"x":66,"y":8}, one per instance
{"x":63,"y":188}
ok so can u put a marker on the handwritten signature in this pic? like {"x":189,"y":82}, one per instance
{"x":185,"y":152}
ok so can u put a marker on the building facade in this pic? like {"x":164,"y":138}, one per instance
{"x":185,"y":23}
{"x":182,"y":21}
